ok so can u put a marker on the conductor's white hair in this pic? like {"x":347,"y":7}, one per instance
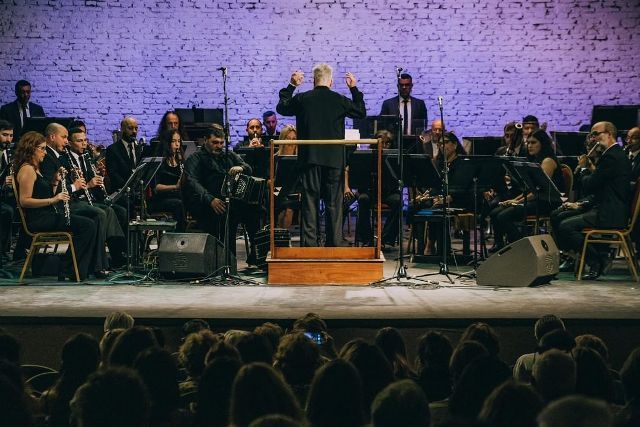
{"x":322,"y":74}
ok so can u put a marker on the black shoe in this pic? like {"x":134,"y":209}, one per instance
{"x":569,"y":264}
{"x":595,"y":270}
{"x":251,"y":259}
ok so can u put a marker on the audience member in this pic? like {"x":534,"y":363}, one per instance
{"x":554,"y":375}
{"x":592,"y":375}
{"x":402,"y":403}
{"x":465,"y":353}
{"x":255,"y":348}
{"x":629,"y":416}
{"x":336,"y":396}
{"x":222,"y":349}
{"x":13,"y":407}
{"x":193,"y":326}
{"x":106,"y":344}
{"x":118,"y":320}
{"x":432,"y":365}
{"x":576,"y":411}
{"x":192,"y":356}
{"x":393,"y":347}
{"x":259,"y":390}
{"x":272,"y":331}
{"x":524,"y":365}
{"x":559,"y":339}
{"x":297,"y":358}
{"x":485,"y":335}
{"x":130,"y":344}
{"x":511,"y":404}
{"x":214,"y":392}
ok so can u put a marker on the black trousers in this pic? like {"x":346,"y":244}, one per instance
{"x":321,"y":182}
{"x":505,"y":219}
{"x":172,"y":205}
{"x":240,"y":212}
{"x":6,"y":218}
{"x":364,"y":230}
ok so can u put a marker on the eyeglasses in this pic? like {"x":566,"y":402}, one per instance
{"x":42,"y":147}
{"x":595,"y":134}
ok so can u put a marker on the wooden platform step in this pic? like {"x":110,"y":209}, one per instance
{"x":324,"y":266}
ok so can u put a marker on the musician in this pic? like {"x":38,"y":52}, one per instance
{"x":170,"y":121}
{"x":123,"y":156}
{"x":6,"y":184}
{"x":431,"y":139}
{"x":288,"y":198}
{"x":18,"y":111}
{"x":608,"y":183}
{"x":320,"y":114}
{"x":508,"y":213}
{"x":166,"y":191}
{"x":512,"y":141}
{"x":254,"y":137}
{"x":530,"y":124}
{"x":390,"y":197}
{"x":412,"y":110}
{"x":632,"y":148}
{"x":204,"y":175}
{"x":43,"y":203}
{"x":109,"y":219}
{"x":270,"y":121}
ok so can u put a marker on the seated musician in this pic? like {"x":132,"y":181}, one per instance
{"x":390,"y":196}
{"x":166,"y":191}
{"x":632,"y":147}
{"x":606,"y":204}
{"x":44,"y":204}
{"x":512,"y":141}
{"x":509,"y":213}
{"x":431,"y":139}
{"x":288,"y":198}
{"x":254,"y":137}
{"x":6,"y":183}
{"x":205,"y":173}
{"x":170,"y":121}
{"x":433,"y":199}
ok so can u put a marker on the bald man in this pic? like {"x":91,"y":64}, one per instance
{"x":124,"y":155}
{"x":431,"y":139}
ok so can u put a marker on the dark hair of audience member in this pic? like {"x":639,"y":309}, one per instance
{"x":336,"y":397}
{"x":214,"y":392}
{"x":592,"y":375}
{"x":275,"y":420}
{"x":630,"y":375}
{"x":13,"y":406}
{"x":194,"y":351}
{"x":310,"y":322}
{"x":374,"y":369}
{"x":259,"y":390}
{"x":511,"y":404}
{"x":159,"y":335}
{"x":80,"y":358}
{"x":576,"y":411}
{"x":477,"y":382}
{"x":255,"y":348}
{"x":595,"y":343}
{"x":393,"y":347}
{"x":192,"y":326}
{"x":297,"y":358}
{"x":222,"y":349}
{"x":130,"y":344}
{"x":106,"y":344}
{"x":115,"y":396}
{"x":118,"y":320}
{"x":554,"y":375}
{"x":558,"y":339}
{"x":432,"y":364}
{"x":485,"y":335}
{"x":465,"y":353}
{"x":402,"y":403}
{"x":158,"y":371}
{"x":546,"y":324}
{"x":9,"y":348}
{"x":272,"y":331}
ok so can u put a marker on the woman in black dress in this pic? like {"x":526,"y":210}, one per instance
{"x":166,"y":191}
{"x":43,"y":203}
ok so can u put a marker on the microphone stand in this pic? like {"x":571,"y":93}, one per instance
{"x":223,"y":276}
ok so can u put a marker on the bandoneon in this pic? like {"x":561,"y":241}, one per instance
{"x":245,"y":188}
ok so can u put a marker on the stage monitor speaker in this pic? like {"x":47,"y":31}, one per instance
{"x":530,"y":261}
{"x":191,"y":255}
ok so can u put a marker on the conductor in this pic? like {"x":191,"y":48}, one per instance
{"x":320,"y":114}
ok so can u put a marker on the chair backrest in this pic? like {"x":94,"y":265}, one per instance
{"x":567,"y":174}
{"x":635,"y":206}
{"x":23,"y":220}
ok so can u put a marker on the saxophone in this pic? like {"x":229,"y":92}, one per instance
{"x":63,"y":188}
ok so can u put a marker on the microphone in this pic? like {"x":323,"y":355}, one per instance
{"x":399,"y":70}
{"x":223,"y":69}
{"x":440,"y":101}
{"x":141,"y":142}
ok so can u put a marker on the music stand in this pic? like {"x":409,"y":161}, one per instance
{"x":257,"y":158}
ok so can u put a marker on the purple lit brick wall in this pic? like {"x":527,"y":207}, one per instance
{"x":493,"y":61}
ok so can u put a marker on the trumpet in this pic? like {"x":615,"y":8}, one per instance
{"x":79,"y":174}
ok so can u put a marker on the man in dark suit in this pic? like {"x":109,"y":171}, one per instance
{"x":124,"y":155}
{"x":633,"y":148}
{"x":608,"y":186}
{"x":320,"y":114}
{"x":6,"y":186}
{"x":18,"y":111}
{"x":412,"y":110}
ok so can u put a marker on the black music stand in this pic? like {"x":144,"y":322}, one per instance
{"x":257,"y":158}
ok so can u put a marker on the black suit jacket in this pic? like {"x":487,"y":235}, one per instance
{"x":635,"y":167}
{"x":119,"y":164}
{"x":11,"y":113}
{"x":418,"y":111}
{"x":320,"y":114}
{"x":609,"y":185}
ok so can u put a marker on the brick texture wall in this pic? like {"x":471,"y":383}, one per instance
{"x":493,"y":61}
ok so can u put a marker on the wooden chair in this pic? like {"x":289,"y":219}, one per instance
{"x":620,"y":238}
{"x":44,"y":240}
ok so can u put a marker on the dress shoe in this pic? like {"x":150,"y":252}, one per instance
{"x":569,"y":264}
{"x":595,"y":270}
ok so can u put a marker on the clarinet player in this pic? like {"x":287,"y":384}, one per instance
{"x":44,"y":205}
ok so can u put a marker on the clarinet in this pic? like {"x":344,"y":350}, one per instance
{"x":63,"y":189}
{"x":89,"y":161}
{"x":79,"y":174}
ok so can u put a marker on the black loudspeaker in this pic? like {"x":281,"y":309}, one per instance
{"x":530,"y":261}
{"x":191,"y":255}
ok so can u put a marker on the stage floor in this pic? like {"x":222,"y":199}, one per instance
{"x":613,"y":297}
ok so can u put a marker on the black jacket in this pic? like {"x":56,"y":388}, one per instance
{"x":119,"y":164}
{"x":419,"y":117}
{"x":320,"y":114}
{"x":11,"y":113}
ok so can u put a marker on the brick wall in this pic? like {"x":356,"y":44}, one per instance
{"x":493,"y":61}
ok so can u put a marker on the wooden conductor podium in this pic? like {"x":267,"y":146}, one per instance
{"x":323,"y":265}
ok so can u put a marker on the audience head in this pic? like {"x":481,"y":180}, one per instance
{"x":30,"y":149}
{"x":255,"y":348}
{"x":214,"y":392}
{"x":465,"y":353}
{"x":554,"y":375}
{"x":595,"y":343}
{"x":402,"y":403}
{"x":13,"y":405}
{"x":297,"y":358}
{"x":194,"y":350}
{"x":511,"y":404}
{"x":393,"y":347}
{"x":106,"y":344}
{"x":129,"y":129}
{"x":559,"y":339}
{"x":592,"y":375}
{"x":576,"y":411}
{"x":9,"y":348}
{"x":630,"y":375}
{"x":254,"y":128}
{"x":112,"y":397}
{"x":322,"y":75}
{"x":405,"y":84}
{"x":547,"y":323}
{"x":270,"y":122}
{"x":57,"y":136}
{"x":272,"y":331}
{"x":259,"y":390}
{"x":118,"y":320}
{"x":80,"y":355}
{"x":232,"y":336}
{"x":336,"y":396}
{"x":192,"y":326}
{"x":485,"y":335}
{"x":222,"y":349}
{"x":434,"y":351}
{"x":158,"y":371}
{"x":310,"y":322}
{"x":130,"y":344}
{"x":23,"y":92}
